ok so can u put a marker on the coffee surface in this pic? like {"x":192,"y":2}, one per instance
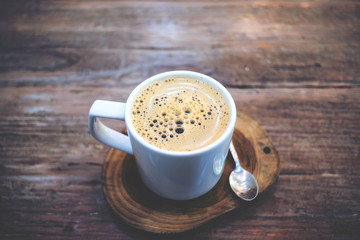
{"x":180,"y":114}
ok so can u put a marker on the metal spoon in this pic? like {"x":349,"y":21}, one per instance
{"x":242,"y":182}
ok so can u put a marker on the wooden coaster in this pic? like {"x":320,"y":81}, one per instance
{"x":130,"y":199}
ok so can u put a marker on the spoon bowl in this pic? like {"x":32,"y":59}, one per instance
{"x":242,"y":182}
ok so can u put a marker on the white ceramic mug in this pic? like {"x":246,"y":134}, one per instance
{"x":171,"y":174}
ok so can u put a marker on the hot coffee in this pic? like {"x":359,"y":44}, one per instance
{"x":180,"y":124}
{"x":180,"y":114}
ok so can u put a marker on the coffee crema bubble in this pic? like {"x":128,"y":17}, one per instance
{"x":180,"y":114}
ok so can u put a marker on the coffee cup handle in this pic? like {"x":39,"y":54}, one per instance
{"x":104,"y":134}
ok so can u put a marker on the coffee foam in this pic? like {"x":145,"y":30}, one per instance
{"x":180,"y":114}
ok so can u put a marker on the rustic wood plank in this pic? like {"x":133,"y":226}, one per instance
{"x":50,"y":166}
{"x":232,"y":67}
{"x":48,"y":113}
{"x":242,"y":44}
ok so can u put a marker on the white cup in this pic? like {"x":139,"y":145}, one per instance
{"x":171,"y":174}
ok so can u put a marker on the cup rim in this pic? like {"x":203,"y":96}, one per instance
{"x":227,"y":96}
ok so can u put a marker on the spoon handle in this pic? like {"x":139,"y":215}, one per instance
{"x":235,"y":155}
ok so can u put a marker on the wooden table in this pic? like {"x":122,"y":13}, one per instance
{"x":293,"y":66}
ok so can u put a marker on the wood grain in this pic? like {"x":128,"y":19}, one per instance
{"x":242,"y":44}
{"x":292,"y":66}
{"x":133,"y":202}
